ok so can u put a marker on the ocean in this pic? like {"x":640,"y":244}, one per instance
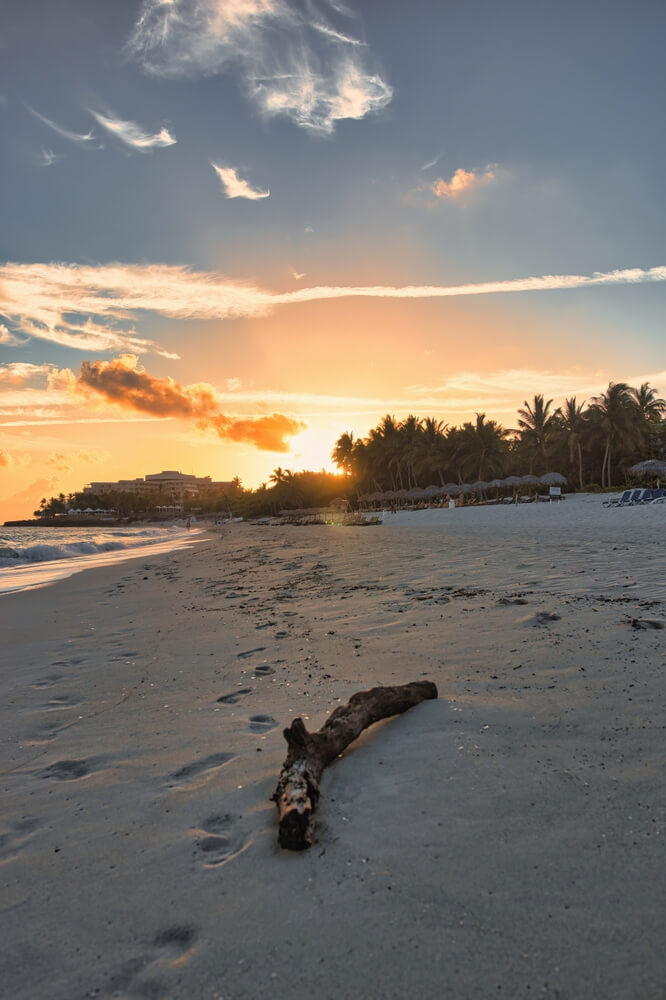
{"x":35,"y":557}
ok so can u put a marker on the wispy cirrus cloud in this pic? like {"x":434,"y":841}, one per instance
{"x":133,"y":135}
{"x":463,"y":182}
{"x":43,"y":300}
{"x":85,"y":139}
{"x":79,"y":309}
{"x":293,"y":60}
{"x":235,"y":187}
{"x":47,"y":158}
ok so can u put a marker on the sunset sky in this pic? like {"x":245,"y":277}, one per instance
{"x":233,"y":229}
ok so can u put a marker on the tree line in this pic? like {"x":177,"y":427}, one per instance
{"x":591,"y":443}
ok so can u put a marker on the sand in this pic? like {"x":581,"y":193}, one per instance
{"x":504,"y":840}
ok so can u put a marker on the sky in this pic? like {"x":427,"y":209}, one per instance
{"x":234,"y":229}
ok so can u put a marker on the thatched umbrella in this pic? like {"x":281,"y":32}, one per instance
{"x":452,"y":488}
{"x":480,"y":484}
{"x":653,"y":468}
{"x":529,"y":480}
{"x":553,"y":479}
{"x":432,"y":491}
{"x":513,"y":482}
{"x":495,"y":483}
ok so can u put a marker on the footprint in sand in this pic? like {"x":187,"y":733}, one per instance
{"x":218,"y":841}
{"x":264,"y":669}
{"x":136,"y":980}
{"x":63,"y":701}
{"x":233,"y":696}
{"x":47,"y":682}
{"x":250,"y":652}
{"x":512,"y":600}
{"x":261,"y":723}
{"x":68,"y":770}
{"x":12,"y":841}
{"x":542,"y":618}
{"x":195,"y":768}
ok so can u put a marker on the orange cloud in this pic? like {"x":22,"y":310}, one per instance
{"x":462,"y":182}
{"x":123,"y":381}
{"x":59,"y":461}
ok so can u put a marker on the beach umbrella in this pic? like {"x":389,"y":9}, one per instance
{"x":553,"y":479}
{"x":529,"y":480}
{"x":480,"y":485}
{"x":466,"y":488}
{"x":452,"y":488}
{"x":495,"y":483}
{"x":652,"y":467}
{"x":416,"y":492}
{"x":512,"y":481}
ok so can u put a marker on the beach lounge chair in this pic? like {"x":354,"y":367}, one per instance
{"x":658,"y":496}
{"x":634,"y":498}
{"x":618,"y":501}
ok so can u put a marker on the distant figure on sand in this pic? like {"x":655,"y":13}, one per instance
{"x":189,"y":523}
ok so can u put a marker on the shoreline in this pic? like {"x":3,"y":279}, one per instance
{"x":48,"y":572}
{"x":505,"y":835}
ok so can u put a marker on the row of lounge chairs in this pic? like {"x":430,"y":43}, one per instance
{"x":637,"y":498}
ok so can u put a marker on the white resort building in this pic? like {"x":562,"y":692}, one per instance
{"x":169,"y":485}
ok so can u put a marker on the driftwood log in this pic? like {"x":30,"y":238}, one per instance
{"x":297,"y":791}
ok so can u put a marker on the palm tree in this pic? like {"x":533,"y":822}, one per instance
{"x":536,"y":426}
{"x":614,"y":411}
{"x":277,"y":476}
{"x":651,"y":407}
{"x":432,"y":450}
{"x":650,"y":410}
{"x":383,"y":452}
{"x":343,"y":452}
{"x":410,"y":432}
{"x":572,"y":421}
{"x":482,"y":447}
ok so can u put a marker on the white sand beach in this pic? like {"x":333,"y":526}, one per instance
{"x":505,"y":840}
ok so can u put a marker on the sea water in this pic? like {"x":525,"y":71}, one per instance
{"x":35,"y":557}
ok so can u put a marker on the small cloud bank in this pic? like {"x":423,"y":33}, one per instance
{"x":132,"y":135}
{"x":124,"y":382}
{"x":235,"y":187}
{"x":462,"y":183}
{"x":65,"y":463}
{"x":9,"y":339}
{"x":292,"y":58}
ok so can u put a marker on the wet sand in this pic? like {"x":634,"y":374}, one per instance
{"x":504,"y":840}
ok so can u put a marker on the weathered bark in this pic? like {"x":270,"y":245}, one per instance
{"x":297,"y":792}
